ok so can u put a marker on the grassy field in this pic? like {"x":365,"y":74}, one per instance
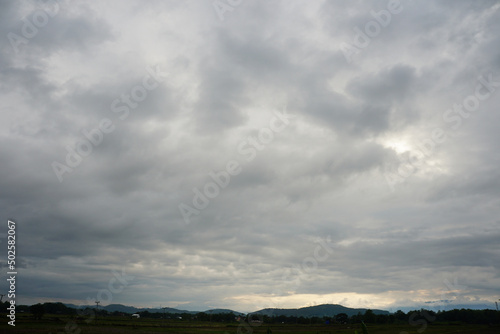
{"x":111,"y":325}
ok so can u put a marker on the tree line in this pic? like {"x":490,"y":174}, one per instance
{"x":457,"y":315}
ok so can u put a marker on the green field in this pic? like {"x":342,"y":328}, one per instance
{"x":110,"y":325}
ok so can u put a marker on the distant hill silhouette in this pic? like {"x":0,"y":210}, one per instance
{"x":325,"y":310}
{"x":132,"y":309}
{"x":222,"y":310}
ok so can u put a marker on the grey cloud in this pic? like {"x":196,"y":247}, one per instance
{"x":58,"y":26}
{"x":385,"y":87}
{"x":220,"y":103}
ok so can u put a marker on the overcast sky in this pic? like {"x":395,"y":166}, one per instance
{"x":250,"y":154}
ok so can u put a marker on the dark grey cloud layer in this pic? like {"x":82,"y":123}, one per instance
{"x":368,"y":179}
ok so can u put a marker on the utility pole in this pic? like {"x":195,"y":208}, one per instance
{"x":96,"y":309}
{"x":164,"y":316}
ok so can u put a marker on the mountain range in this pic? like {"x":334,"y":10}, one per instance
{"x":307,"y":312}
{"x":324,"y":310}
{"x":132,"y":309}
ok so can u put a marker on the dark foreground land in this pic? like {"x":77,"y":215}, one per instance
{"x":111,"y":325}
